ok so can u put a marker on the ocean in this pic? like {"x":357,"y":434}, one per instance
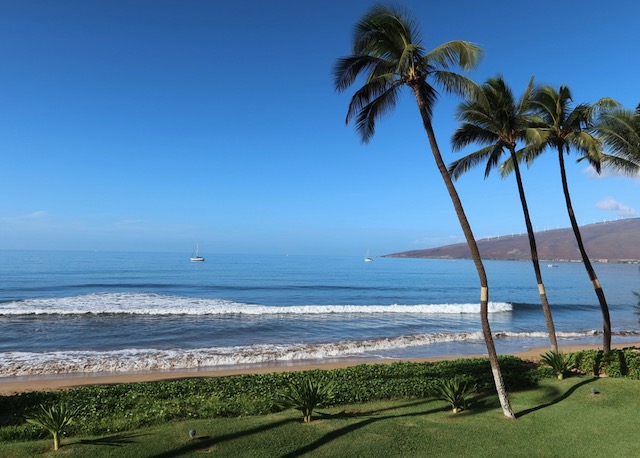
{"x":99,"y":312}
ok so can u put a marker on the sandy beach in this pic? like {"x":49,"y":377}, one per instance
{"x":15,"y":385}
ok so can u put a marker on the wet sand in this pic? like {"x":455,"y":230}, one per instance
{"x":15,"y":385}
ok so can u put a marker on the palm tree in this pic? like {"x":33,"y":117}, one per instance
{"x":620,"y":131}
{"x":561,"y":128}
{"x":493,"y":117}
{"x":386,"y":48}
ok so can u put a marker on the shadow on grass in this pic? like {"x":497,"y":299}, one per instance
{"x":562,"y":397}
{"x":116,"y":440}
{"x":333,"y":435}
{"x":368,"y":413}
{"x":207,"y":441}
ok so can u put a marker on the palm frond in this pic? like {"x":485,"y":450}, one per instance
{"x":461,"y":166}
{"x":463,"y":54}
{"x":469,"y":133}
{"x":525,"y":100}
{"x":347,"y":69}
{"x":429,"y":95}
{"x":620,"y":165}
{"x":367,"y":115}
{"x":454,"y":83}
{"x":620,"y":132}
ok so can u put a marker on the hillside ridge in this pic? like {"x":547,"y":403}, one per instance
{"x":612,"y":241}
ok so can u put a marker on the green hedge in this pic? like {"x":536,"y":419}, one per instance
{"x":114,"y":408}
{"x":617,"y":363}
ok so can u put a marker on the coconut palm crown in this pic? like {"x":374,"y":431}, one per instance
{"x":387,"y":51}
{"x":493,"y":117}
{"x":387,"y":47}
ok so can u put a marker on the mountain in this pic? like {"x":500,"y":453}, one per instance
{"x":614,"y":241}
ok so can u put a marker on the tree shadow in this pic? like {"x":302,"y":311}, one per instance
{"x":333,"y":435}
{"x":207,"y":441}
{"x":562,"y":397}
{"x":368,"y":413}
{"x":116,"y":440}
{"x":481,"y":403}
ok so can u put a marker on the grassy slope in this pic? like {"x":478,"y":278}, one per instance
{"x":559,"y":418}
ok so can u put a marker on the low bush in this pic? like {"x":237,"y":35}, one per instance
{"x":617,"y":363}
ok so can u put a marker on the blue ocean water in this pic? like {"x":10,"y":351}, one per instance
{"x":72,"y":312}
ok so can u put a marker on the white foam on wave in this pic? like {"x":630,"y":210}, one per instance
{"x":133,"y":360}
{"x":154,"y":304}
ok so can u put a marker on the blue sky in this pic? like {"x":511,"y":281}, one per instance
{"x":153,"y":125}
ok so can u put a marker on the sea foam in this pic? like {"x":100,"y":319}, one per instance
{"x":154,"y":304}
{"x":133,"y":360}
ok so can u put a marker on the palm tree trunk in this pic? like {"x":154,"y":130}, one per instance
{"x":606,"y":336}
{"x":475,"y":255}
{"x":534,"y":255}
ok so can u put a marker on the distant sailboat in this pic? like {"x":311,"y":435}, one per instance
{"x":367,"y":258}
{"x":196,"y":257}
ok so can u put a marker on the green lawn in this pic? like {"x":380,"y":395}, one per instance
{"x":558,"y":418}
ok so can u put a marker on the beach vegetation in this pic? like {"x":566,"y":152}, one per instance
{"x":493,"y":117}
{"x":113,"y":409}
{"x":556,"y":418}
{"x":388,"y":54}
{"x":559,"y":362}
{"x":616,"y":363}
{"x":307,"y":394}
{"x":455,"y":391}
{"x":54,"y":419}
{"x":563,"y":128}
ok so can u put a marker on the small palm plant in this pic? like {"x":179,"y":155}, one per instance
{"x":454,"y":391}
{"x":559,"y":362}
{"x":307,"y":394}
{"x":53,"y":419}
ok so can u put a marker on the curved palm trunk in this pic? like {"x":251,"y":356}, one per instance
{"x":606,"y":336}
{"x":475,"y":255}
{"x":534,"y":255}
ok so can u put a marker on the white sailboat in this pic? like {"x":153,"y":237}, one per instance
{"x":367,"y":258}
{"x":196,"y":257}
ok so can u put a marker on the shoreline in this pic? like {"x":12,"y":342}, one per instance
{"x":10,"y":386}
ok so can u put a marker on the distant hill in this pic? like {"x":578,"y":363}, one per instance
{"x":615,"y":241}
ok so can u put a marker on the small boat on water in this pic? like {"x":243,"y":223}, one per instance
{"x":552,"y":265}
{"x":196,"y":257}
{"x":367,"y":258}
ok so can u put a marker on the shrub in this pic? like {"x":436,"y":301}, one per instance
{"x":617,"y":363}
{"x":588,"y":361}
{"x":306,"y":395}
{"x":53,"y":419}
{"x":559,"y":362}
{"x":454,"y":391}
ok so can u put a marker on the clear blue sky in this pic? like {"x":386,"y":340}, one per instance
{"x":153,"y":125}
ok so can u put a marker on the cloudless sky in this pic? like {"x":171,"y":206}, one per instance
{"x":155,"y":125}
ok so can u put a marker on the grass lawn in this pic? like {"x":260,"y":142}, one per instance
{"x":558,"y":418}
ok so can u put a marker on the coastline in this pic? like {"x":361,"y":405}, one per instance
{"x":10,"y":386}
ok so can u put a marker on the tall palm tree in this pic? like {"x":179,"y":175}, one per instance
{"x":494,"y":118}
{"x":386,"y":48}
{"x":620,"y":131}
{"x":563,"y":129}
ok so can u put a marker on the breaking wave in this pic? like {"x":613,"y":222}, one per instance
{"x":155,"y":304}
{"x":136,"y":360}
